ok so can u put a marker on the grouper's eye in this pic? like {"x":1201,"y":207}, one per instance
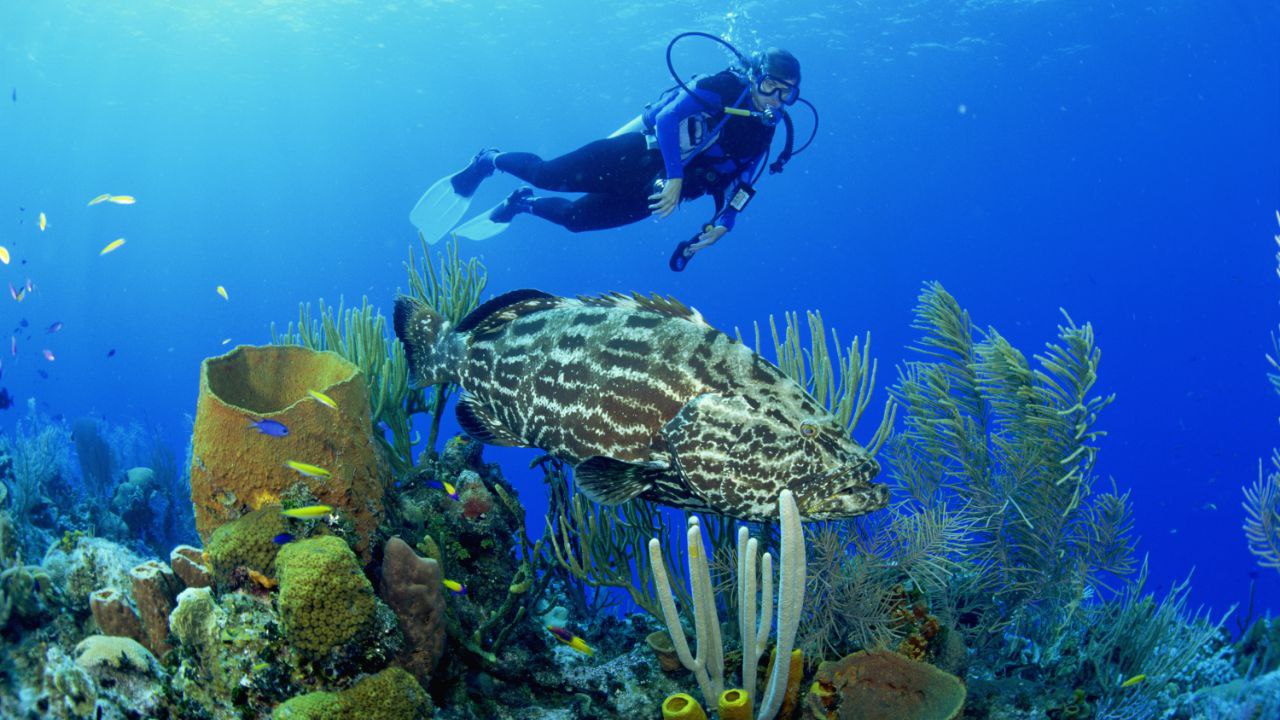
{"x":808,"y":429}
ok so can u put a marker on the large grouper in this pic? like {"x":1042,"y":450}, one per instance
{"x":644,"y":399}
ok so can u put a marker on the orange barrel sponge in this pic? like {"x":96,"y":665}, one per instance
{"x":256,"y":416}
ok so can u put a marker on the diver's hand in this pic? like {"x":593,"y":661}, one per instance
{"x":708,"y":238}
{"x":666,"y":201}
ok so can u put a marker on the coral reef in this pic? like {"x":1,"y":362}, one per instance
{"x":90,"y":564}
{"x":231,"y":478}
{"x":145,"y":504}
{"x":432,"y":601}
{"x":35,"y":460}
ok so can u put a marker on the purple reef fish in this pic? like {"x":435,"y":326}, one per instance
{"x":270,"y":427}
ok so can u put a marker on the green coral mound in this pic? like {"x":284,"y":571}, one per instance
{"x":325,"y":599}
{"x":392,"y":694}
{"x":246,"y":542}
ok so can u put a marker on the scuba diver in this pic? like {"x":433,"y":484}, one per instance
{"x":710,"y":138}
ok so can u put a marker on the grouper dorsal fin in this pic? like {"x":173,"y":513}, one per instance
{"x":478,"y":422}
{"x":612,"y":482}
{"x":499,"y":311}
{"x":665,"y":306}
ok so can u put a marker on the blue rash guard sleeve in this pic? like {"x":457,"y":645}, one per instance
{"x":729,"y":216}
{"x":667,"y":126}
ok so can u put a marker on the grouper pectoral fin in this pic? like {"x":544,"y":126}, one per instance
{"x":478,"y":422}
{"x":612,"y":482}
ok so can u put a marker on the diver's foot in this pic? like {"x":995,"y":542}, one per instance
{"x":519,"y":201}
{"x":466,"y":180}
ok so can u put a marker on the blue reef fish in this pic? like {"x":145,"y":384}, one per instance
{"x":6,"y":400}
{"x":282,"y":539}
{"x":449,"y":489}
{"x":53,"y":328}
{"x":270,"y":427}
{"x":111,"y":352}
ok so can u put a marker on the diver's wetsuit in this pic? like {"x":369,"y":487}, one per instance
{"x":617,"y":173}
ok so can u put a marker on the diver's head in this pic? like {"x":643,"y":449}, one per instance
{"x":775,"y":79}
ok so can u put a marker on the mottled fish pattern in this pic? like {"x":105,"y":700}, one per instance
{"x":644,"y":399}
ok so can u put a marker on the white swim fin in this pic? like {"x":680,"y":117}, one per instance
{"x":447,"y":200}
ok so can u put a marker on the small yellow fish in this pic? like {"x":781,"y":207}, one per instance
{"x":307,"y":469}
{"x":100,"y":198}
{"x":121,"y":199}
{"x":223,"y":292}
{"x":455,"y":587}
{"x":263,"y":581}
{"x":310,"y":512}
{"x":572,"y":640}
{"x":44,"y":222}
{"x":323,"y":399}
{"x":111,"y":246}
{"x":1133,"y":681}
{"x":4,"y":255}
{"x":445,"y":485}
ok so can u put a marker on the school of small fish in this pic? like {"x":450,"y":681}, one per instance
{"x":21,"y":291}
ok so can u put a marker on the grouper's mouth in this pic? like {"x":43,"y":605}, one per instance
{"x":851,"y":491}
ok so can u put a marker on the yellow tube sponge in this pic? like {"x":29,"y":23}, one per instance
{"x":682,"y":707}
{"x":791,"y":700}
{"x":735,"y":705}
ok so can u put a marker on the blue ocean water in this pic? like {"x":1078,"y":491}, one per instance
{"x":1119,"y":161}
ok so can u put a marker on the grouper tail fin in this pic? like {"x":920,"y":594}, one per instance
{"x":427,"y":342}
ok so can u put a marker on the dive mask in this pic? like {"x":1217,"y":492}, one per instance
{"x":787,"y":93}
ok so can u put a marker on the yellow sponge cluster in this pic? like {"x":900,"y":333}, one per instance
{"x":392,"y":694}
{"x":325,"y":599}
{"x":248,"y":542}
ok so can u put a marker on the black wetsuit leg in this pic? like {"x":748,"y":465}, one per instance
{"x":618,"y":166}
{"x":593,"y":211}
